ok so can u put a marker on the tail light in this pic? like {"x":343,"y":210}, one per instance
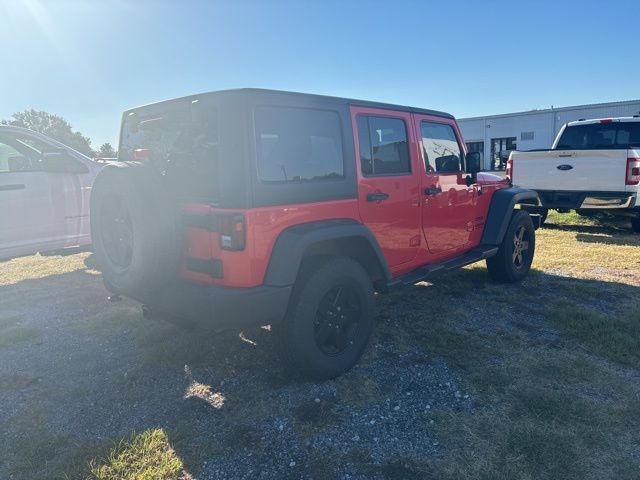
{"x":141,"y":154}
{"x":509,"y":170}
{"x":232,"y":231}
{"x":633,"y":171}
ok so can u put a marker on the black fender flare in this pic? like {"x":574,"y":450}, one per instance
{"x":499,"y":216}
{"x":297,"y":241}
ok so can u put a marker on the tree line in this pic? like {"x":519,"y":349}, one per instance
{"x":59,"y":129}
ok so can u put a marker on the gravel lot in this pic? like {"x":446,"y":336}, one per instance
{"x":78,"y":373}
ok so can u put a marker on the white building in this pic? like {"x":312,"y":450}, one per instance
{"x":496,"y":135}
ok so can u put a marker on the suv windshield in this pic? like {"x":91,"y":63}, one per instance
{"x":181,"y":142}
{"x":602,"y":136}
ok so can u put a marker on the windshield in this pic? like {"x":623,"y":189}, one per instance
{"x":600,"y":136}
{"x":181,"y":142}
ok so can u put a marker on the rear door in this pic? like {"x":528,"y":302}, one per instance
{"x":388,"y":183}
{"x":447,"y":201}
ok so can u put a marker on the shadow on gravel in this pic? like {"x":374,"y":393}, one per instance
{"x":99,"y":371}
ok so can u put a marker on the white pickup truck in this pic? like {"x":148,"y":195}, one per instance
{"x":593,"y":165}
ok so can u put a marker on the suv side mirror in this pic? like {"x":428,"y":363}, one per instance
{"x":474,"y":164}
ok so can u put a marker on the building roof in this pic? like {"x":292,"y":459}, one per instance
{"x":555,"y":109}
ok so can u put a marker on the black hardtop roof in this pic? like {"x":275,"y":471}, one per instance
{"x":264,"y":91}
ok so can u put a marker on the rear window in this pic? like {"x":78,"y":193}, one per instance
{"x":181,"y":141}
{"x":298,"y":144}
{"x":600,"y":136}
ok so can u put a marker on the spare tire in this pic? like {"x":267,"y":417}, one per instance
{"x":134,"y":228}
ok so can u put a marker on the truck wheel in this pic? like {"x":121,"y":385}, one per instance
{"x":329,"y":321}
{"x":542,"y":211}
{"x":513,"y":260}
{"x":635,"y":224}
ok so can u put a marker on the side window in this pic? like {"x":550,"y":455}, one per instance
{"x":298,"y":144}
{"x":441,"y":149}
{"x":14,"y":157}
{"x":384,"y":148}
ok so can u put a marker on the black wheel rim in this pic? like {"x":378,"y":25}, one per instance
{"x":117,"y":231}
{"x":338,"y":320}
{"x":520,"y":253}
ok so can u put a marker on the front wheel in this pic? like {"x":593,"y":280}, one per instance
{"x":330,"y":319}
{"x":513,"y":260}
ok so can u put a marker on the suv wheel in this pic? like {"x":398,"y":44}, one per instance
{"x":133,"y":228}
{"x":329,"y":321}
{"x":514,"y":257}
{"x":635,"y":224}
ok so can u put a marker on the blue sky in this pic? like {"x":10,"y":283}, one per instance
{"x":90,"y":60}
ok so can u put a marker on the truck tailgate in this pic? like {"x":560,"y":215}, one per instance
{"x":585,"y":170}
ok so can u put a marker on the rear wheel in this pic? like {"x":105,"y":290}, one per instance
{"x":330,"y":320}
{"x":513,"y":260}
{"x":635,"y":224}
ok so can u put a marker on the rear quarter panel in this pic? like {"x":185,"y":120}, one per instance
{"x":247,"y":268}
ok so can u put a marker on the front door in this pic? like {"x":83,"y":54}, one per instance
{"x":448,"y":203}
{"x":388,"y":181}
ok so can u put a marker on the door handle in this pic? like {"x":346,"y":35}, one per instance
{"x":432,"y":190}
{"x":377,"y":197}
{"x":13,"y":186}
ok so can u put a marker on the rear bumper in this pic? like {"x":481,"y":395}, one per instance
{"x":587,"y":200}
{"x":220,"y":307}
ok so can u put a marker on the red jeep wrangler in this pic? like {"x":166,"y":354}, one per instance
{"x":261,"y":207}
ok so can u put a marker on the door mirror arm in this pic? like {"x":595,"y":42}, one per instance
{"x":470,"y":180}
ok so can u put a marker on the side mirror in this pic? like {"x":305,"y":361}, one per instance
{"x":474,"y":162}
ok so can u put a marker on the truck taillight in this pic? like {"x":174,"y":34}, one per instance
{"x":633,"y":171}
{"x":232,"y":231}
{"x":509,"y":170}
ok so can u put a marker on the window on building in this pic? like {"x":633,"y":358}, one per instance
{"x":440,"y":147}
{"x":500,"y":150}
{"x":297,"y":144}
{"x":526,"y":135}
{"x":384,"y":148}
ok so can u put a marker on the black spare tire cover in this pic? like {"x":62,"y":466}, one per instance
{"x":134,"y":228}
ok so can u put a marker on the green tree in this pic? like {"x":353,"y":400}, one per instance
{"x":107,"y":151}
{"x":54,"y":126}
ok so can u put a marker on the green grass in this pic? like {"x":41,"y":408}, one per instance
{"x":145,"y":456}
{"x":614,"y":335}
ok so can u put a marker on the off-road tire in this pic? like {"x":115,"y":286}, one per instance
{"x":296,"y":334}
{"x":635,"y":224}
{"x":150,"y":259}
{"x":505,"y":266}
